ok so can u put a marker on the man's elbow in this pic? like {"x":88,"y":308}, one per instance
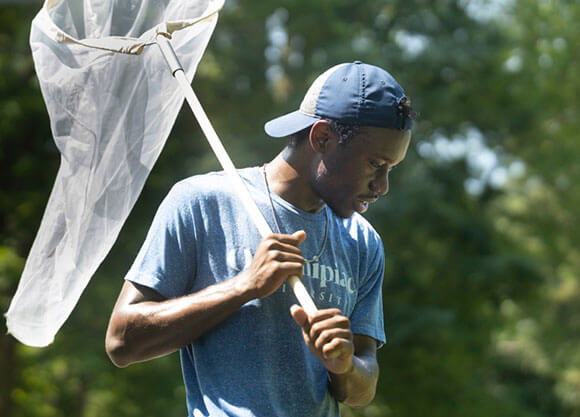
{"x":362,"y":399}
{"x":114,"y":349}
{"x":117,"y":350}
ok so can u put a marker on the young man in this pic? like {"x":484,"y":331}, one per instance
{"x":205,"y":282}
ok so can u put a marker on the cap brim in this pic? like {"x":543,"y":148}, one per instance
{"x":289,"y":124}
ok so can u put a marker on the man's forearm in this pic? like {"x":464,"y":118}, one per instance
{"x":357,"y":387}
{"x":149,"y":329}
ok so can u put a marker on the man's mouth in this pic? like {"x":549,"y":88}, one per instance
{"x":364,"y":202}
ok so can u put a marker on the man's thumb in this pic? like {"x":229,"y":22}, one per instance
{"x":299,"y":315}
{"x":300,"y":235}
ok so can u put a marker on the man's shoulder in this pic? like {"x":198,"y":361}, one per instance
{"x":211,"y":184}
{"x":360,"y":229}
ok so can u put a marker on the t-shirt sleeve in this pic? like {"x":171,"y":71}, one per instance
{"x":367,"y":316}
{"x":166,"y":261}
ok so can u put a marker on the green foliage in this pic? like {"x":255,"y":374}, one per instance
{"x":481,"y":287}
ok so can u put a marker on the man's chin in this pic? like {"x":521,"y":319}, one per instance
{"x":342,"y":212}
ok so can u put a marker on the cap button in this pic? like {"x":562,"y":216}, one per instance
{"x":357,"y":62}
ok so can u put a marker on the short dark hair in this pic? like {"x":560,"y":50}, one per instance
{"x":346,"y":132}
{"x":405,"y":111}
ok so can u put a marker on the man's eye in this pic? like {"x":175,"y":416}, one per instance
{"x":377,"y":164}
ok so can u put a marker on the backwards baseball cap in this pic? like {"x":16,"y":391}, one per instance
{"x":351,"y":93}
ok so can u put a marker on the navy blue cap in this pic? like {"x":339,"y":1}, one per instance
{"x":350,"y":93}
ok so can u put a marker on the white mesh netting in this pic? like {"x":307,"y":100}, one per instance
{"x":112,"y":102}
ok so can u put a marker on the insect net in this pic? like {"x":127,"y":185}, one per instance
{"x":112,"y":102}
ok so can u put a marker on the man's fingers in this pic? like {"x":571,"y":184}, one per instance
{"x":301,"y":318}
{"x":338,"y":347}
{"x":281,"y":256}
{"x":327,"y":333}
{"x":320,"y":325}
{"x":299,"y":315}
{"x":300,"y":235}
{"x":289,"y":269}
{"x":325,"y":314}
{"x":276,"y":246}
{"x":327,"y":337}
{"x":294,"y":239}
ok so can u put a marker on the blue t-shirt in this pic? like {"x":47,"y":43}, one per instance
{"x":255,"y":363}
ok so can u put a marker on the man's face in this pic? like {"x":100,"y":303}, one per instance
{"x":351,"y":176}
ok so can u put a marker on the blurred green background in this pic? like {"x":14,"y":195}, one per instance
{"x":480,"y":227}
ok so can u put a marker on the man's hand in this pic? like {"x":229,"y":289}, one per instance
{"x":277,"y":258}
{"x":327,"y":333}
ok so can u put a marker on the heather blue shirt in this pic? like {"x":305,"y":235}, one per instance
{"x":256,"y":363}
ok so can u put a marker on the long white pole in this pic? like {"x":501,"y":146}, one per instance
{"x":214,"y":141}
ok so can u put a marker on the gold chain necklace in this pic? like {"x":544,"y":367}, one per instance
{"x":317,"y":257}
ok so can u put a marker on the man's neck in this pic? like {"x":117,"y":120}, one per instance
{"x":289,"y":176}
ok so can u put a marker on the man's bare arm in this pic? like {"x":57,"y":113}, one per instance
{"x":144,"y":325}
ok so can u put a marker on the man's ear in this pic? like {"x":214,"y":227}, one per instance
{"x":321,"y":136}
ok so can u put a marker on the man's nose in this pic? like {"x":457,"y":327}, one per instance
{"x":380,"y":185}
